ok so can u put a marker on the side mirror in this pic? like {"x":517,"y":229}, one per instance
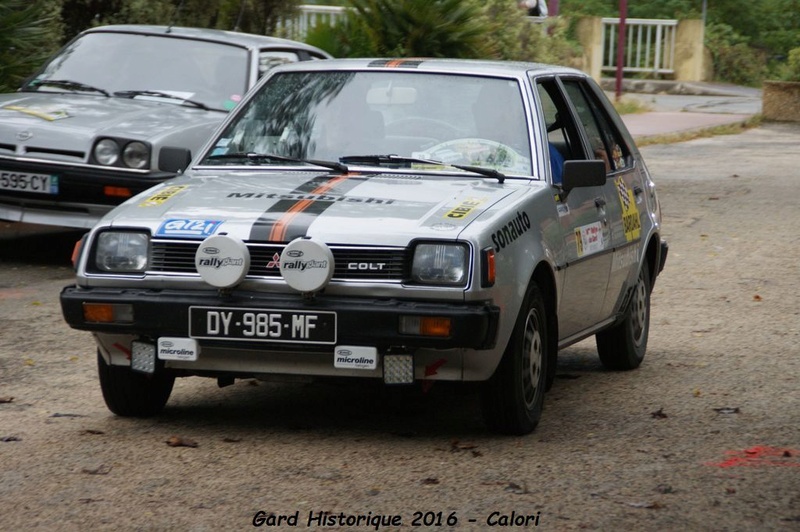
{"x":579,"y":174}
{"x":174,"y":159}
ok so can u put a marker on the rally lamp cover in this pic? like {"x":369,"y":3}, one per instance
{"x":222,"y":260}
{"x":306,"y":264}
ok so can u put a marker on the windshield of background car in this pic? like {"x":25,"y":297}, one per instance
{"x":214,"y":74}
{"x":453,"y":119}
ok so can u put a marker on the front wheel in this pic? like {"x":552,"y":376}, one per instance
{"x":131,"y":394}
{"x":514,"y":397}
{"x":622,"y":347}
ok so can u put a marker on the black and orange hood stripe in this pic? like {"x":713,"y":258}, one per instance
{"x":288,"y":219}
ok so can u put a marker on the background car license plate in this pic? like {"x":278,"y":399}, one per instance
{"x":263,"y":325}
{"x":25,"y":182}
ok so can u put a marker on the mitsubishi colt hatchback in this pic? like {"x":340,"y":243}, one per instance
{"x":404,"y":221}
{"x":103,"y":119}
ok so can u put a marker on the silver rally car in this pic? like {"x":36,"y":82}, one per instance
{"x":105,"y":117}
{"x":400,"y":220}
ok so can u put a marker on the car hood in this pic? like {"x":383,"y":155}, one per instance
{"x":352,"y":208}
{"x":71,"y":122}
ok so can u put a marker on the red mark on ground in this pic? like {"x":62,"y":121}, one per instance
{"x":760,"y":456}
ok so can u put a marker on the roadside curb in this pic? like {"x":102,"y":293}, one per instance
{"x":686,"y":88}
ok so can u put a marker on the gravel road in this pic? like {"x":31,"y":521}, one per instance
{"x":704,"y":436}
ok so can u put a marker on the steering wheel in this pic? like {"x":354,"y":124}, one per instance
{"x":478,"y":151}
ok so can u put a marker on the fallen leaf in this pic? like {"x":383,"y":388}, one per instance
{"x":730,"y":491}
{"x":231,"y":440}
{"x":29,"y":362}
{"x":92,"y":431}
{"x":456,"y":446}
{"x":516,"y":488}
{"x":698,"y":393}
{"x":430,"y":481}
{"x":102,"y":469}
{"x":655,"y":505}
{"x":757,"y":298}
{"x":6,"y":399}
{"x":177,"y":441}
{"x":727,"y":410}
{"x":59,"y":414}
{"x":659,"y":414}
{"x":10,"y":438}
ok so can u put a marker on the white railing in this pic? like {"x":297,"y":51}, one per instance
{"x":649,"y":45}
{"x":308,"y":17}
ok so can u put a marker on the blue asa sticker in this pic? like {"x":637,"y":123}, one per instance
{"x":188,"y":228}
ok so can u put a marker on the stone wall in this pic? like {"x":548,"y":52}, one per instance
{"x":781,"y":101}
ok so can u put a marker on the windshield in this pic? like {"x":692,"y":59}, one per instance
{"x":213,"y":74}
{"x":454,"y":119}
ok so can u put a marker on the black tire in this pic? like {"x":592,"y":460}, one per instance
{"x":513,"y":398}
{"x":622,"y":347}
{"x":131,"y":394}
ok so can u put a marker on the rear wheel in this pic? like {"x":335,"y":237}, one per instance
{"x":622,"y":347}
{"x":514,"y":397}
{"x":131,"y":394}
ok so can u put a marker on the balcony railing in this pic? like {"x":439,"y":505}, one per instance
{"x":308,"y":17}
{"x":649,"y":45}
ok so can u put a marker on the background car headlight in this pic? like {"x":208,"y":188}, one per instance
{"x":442,"y":264}
{"x":106,"y":152}
{"x":136,"y":155}
{"x":122,"y":251}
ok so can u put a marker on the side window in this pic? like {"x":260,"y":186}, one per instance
{"x":269,"y":59}
{"x":604,"y":140}
{"x":563,"y":138}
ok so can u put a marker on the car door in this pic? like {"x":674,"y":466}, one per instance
{"x":585,"y":260}
{"x":624,"y":192}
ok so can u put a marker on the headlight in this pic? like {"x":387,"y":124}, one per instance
{"x":442,"y":264}
{"x":122,"y":252}
{"x":136,"y":155}
{"x":106,"y":152}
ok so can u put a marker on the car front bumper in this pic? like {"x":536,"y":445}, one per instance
{"x":359,"y":321}
{"x":85,"y":193}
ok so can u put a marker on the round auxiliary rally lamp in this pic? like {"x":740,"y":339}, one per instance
{"x":222,"y":261}
{"x":306,"y":265}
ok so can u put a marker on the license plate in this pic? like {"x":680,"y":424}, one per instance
{"x":25,"y":182}
{"x":262,"y":325}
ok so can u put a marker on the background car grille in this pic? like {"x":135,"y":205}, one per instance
{"x":351,"y":262}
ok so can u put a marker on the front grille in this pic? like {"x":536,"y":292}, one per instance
{"x":351,"y":262}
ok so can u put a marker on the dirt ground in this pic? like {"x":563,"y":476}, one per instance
{"x":704,"y":436}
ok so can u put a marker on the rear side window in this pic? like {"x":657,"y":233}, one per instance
{"x":604,"y":140}
{"x":269,"y":59}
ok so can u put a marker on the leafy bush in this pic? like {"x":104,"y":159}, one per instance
{"x":490,"y":29}
{"x":790,"y":71}
{"x":735,"y":61}
{"x":28,"y":35}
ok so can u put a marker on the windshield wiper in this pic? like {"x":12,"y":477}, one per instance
{"x":258,"y":157}
{"x":67,"y":84}
{"x":386,"y":159}
{"x":398,"y":159}
{"x":488,"y":172}
{"x":159,"y":94}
